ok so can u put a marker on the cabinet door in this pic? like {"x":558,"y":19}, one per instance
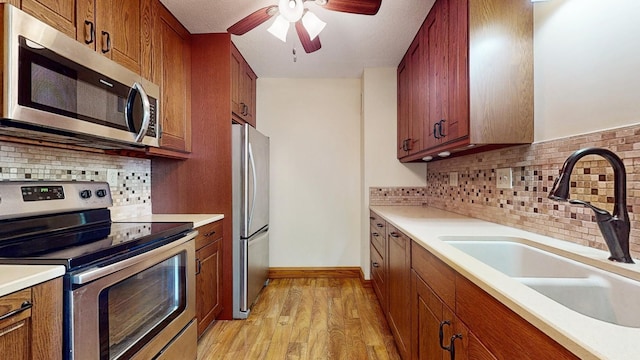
{"x":399,"y":289}
{"x":175,"y":84}
{"x":404,"y":102}
{"x":426,"y":319}
{"x":15,"y":331}
{"x":236,"y":76}
{"x":120,"y":20}
{"x":417,"y":96}
{"x":58,"y":13}
{"x":457,"y":125}
{"x":207,"y":285}
{"x":249,"y":95}
{"x":435,"y":35}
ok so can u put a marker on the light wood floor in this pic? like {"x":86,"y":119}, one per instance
{"x":305,"y":319}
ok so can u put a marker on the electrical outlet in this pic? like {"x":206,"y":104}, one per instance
{"x":453,"y":178}
{"x":504,"y":178}
{"x":112,"y":177}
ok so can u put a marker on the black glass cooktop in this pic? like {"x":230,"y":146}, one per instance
{"x":78,"y":240}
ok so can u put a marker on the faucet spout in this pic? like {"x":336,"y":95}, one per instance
{"x":615,"y":228}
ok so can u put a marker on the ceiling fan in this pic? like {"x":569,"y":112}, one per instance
{"x":308,"y":26}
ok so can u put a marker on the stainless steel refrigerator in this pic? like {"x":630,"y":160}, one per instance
{"x":250,"y":167}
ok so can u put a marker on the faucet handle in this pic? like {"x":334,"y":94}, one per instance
{"x":599,"y":212}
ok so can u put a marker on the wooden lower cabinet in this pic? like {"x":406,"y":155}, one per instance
{"x":208,"y":271}
{"x":36,"y":331}
{"x":485,"y":329}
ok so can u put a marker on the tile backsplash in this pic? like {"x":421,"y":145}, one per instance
{"x":397,"y":196}
{"x":535,"y":168}
{"x":131,"y":196}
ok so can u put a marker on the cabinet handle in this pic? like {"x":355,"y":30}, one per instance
{"x":379,"y":225}
{"x":198,"y":266}
{"x":442,"y":134}
{"x":394,"y":234}
{"x":452,"y":347}
{"x":441,"y":334}
{"x":107,"y":37}
{"x":371,"y":218}
{"x":92,"y":32}
{"x":375,"y":264}
{"x":375,"y":234}
{"x":435,"y":130}
{"x":25,"y":306}
{"x":209,"y":233}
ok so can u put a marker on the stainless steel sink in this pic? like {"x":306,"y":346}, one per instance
{"x":582,"y":288}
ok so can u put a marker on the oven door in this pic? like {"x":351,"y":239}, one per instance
{"x":136,"y":306}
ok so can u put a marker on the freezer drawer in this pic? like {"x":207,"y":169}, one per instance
{"x":255,"y":271}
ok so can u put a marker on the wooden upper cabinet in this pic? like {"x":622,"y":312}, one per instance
{"x":173,"y":54}
{"x":243,"y":89}
{"x":475,"y":94}
{"x":58,"y":13}
{"x":113,"y":29}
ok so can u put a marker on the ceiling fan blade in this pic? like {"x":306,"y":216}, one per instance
{"x":363,"y":7}
{"x":308,"y":44}
{"x":252,"y":20}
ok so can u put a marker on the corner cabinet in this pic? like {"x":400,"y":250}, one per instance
{"x":456,"y":92}
{"x":31,"y":325}
{"x":243,"y":89}
{"x":208,"y":271}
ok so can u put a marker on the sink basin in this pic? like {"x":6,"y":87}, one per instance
{"x":582,"y":288}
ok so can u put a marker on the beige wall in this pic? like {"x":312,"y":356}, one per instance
{"x":314,"y":125}
{"x":586,"y":61}
{"x":380,"y":166}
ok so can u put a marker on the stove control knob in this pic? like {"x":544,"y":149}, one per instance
{"x":101,"y":193}
{"x":85,"y":194}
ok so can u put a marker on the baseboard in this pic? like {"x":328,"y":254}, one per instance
{"x":314,"y":272}
{"x":365,"y":283}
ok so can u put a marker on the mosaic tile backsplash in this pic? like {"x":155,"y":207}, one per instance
{"x":535,"y":168}
{"x":397,"y":196}
{"x":131,"y":196}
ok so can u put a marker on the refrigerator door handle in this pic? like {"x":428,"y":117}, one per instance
{"x":255,"y":186}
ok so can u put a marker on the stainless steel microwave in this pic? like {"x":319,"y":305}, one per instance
{"x":56,"y":89}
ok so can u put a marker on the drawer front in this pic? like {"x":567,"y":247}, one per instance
{"x":208,"y":233}
{"x":377,"y":222}
{"x":378,"y":239}
{"x":378,"y":277}
{"x":438,"y":275}
{"x":15,"y":307}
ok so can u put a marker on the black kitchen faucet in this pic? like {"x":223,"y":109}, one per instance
{"x":615,"y":228}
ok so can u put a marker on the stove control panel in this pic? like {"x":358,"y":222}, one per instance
{"x":38,"y":193}
{"x":31,"y":198}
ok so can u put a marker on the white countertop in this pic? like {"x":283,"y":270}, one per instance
{"x":18,"y":277}
{"x":586,"y":337}
{"x":197,"y":219}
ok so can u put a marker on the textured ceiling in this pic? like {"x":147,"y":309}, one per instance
{"x":350,"y":42}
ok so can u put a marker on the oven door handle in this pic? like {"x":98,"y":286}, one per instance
{"x":98,"y":272}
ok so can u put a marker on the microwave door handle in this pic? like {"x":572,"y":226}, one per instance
{"x":146,"y":108}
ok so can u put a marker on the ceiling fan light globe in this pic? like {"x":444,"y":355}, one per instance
{"x":279,"y":28}
{"x":291,"y":14}
{"x":313,"y":24}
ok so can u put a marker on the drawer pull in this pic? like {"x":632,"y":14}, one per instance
{"x":375,"y":264}
{"x":371,"y":218}
{"x":25,"y":306}
{"x":379,"y":225}
{"x":394,"y":234}
{"x":211,"y":233}
{"x":375,"y":234}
